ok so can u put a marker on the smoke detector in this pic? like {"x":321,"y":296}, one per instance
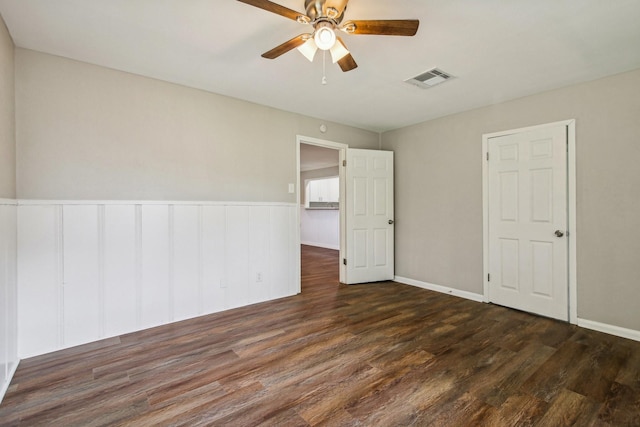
{"x":429,"y":78}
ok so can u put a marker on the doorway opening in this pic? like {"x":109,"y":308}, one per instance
{"x":320,"y":204}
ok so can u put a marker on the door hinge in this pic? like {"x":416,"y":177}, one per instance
{"x":489,"y":277}
{"x":344,"y":261}
{"x":344,"y":163}
{"x":487,"y":156}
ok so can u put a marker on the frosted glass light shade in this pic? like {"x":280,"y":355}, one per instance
{"x":338,"y":51}
{"x":309,"y":49}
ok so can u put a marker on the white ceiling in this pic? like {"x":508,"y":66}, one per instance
{"x":496,"y":49}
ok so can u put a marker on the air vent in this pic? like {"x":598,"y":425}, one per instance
{"x":429,"y":78}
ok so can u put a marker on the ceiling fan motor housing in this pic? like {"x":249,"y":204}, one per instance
{"x":331,"y":10}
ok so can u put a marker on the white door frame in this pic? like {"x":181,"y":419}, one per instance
{"x":342,"y":150}
{"x":571,"y":207}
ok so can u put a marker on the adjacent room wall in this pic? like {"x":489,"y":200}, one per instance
{"x":439,"y":192}
{"x":316,"y":173}
{"x":319,"y":227}
{"x":88,"y":132}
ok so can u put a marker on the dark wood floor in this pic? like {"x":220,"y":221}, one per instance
{"x":372,"y":355}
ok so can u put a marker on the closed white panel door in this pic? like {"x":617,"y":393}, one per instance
{"x":369,"y":216}
{"x":528,"y":221}
{"x":82,"y":290}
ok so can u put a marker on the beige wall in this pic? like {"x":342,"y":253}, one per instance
{"x":439,"y":192}
{"x":7,"y":116}
{"x":88,"y":132}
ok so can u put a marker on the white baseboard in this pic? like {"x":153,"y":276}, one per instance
{"x":610,"y":329}
{"x":5,"y":386}
{"x":442,"y":289}
{"x":321,"y":245}
{"x":583,"y":323}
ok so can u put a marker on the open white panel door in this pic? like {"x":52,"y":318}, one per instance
{"x":369,"y":216}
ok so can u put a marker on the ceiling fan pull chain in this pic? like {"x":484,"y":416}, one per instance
{"x":324,"y":67}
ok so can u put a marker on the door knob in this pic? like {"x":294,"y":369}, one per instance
{"x":391,"y":221}
{"x":559,"y":233}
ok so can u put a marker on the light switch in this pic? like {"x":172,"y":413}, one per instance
{"x":292,"y":188}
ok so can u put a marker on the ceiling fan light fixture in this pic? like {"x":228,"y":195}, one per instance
{"x":349,"y":27}
{"x":309,"y":49}
{"x":332,"y":12}
{"x":324,"y":36}
{"x":338,"y":51}
{"x":302,"y":19}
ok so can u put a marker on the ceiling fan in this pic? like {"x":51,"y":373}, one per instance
{"x":325,"y":16}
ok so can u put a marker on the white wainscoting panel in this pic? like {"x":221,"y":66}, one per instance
{"x":156,"y":300}
{"x":214,"y":294}
{"x":283,"y":281}
{"x":259,"y":275}
{"x":320,"y":227}
{"x":237,"y":256}
{"x":92,"y":270}
{"x":8,"y":294}
{"x":185,"y":256}
{"x":82,"y":305}
{"x":119,"y":237}
{"x":39,"y":279}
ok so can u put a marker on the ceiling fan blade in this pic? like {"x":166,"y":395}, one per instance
{"x":286,"y":46}
{"x":270,"y":6}
{"x":347,"y":63}
{"x":387,"y":27}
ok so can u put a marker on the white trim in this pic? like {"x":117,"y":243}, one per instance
{"x":4,"y":387}
{"x":573,"y":221}
{"x":631,"y":334}
{"x":35,"y":202}
{"x":442,"y":289}
{"x":342,"y":150}
{"x":571,"y":207}
{"x":528,"y":129}
{"x":12,"y":202}
{"x":321,"y":245}
{"x":485,"y":219}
